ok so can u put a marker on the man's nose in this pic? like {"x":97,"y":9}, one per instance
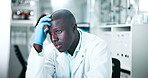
{"x":54,"y":37}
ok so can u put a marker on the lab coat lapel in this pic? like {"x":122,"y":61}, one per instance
{"x":79,"y":59}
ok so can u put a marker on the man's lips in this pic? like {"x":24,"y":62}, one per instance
{"x":58,"y":46}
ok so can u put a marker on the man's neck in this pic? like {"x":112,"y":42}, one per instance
{"x":74,"y":44}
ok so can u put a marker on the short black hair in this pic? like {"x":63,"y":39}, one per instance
{"x":63,"y":14}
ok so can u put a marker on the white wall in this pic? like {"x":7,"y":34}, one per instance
{"x":75,"y":6}
{"x":5,"y":7}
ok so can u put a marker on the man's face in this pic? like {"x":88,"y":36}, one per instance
{"x":61,"y":34}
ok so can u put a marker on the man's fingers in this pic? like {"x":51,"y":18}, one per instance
{"x":46,"y":24}
{"x":45,"y":20}
{"x":46,"y":30}
{"x":42,"y":25}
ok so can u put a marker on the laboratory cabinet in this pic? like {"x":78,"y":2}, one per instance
{"x":129,"y":44}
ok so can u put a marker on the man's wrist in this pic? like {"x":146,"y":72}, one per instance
{"x":37,"y":47}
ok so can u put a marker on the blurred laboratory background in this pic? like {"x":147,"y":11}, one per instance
{"x":122,"y":23}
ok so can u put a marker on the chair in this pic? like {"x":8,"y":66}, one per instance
{"x":21,"y":60}
{"x":116,"y":68}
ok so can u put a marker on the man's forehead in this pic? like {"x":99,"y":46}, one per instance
{"x":59,"y":23}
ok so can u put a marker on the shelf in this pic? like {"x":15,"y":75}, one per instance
{"x":22,"y":23}
{"x":118,"y":25}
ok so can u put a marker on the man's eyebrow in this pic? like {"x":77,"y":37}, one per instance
{"x":58,"y":28}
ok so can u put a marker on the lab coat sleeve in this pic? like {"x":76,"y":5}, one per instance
{"x":49,"y":65}
{"x":100,"y":62}
{"x":35,"y":66}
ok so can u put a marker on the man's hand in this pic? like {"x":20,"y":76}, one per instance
{"x":40,"y":33}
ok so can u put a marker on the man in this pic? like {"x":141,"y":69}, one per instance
{"x":72,"y":54}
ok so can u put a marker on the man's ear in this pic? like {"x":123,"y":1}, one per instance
{"x":74,"y":27}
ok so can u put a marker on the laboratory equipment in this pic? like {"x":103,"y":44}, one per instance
{"x":128,"y":44}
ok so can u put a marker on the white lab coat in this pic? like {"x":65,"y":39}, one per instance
{"x":92,"y":61}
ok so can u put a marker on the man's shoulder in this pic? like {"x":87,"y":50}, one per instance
{"x":91,"y":37}
{"x":90,"y":40}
